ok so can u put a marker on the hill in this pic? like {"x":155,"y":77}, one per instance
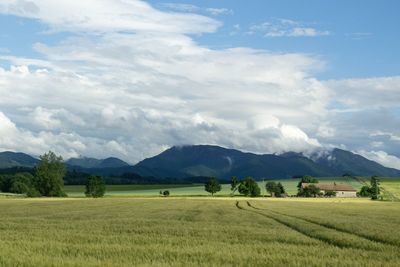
{"x":10,"y":159}
{"x":205,"y":160}
{"x":193,"y":163}
{"x":344,"y":161}
{"x":89,"y":163}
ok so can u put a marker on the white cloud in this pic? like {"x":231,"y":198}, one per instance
{"x":392,"y":136}
{"x":285,"y":28}
{"x":193,"y":8}
{"x":324,"y":130}
{"x":219,"y":11}
{"x":97,"y":16}
{"x":141,"y":84}
{"x":369,"y":93}
{"x":381,"y":157}
{"x":181,"y":7}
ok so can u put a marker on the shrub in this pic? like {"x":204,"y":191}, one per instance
{"x":365,"y":191}
{"x":330,"y":194}
{"x":95,"y":187}
{"x":310,"y":191}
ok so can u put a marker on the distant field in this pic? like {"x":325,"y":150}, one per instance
{"x":391,"y":188}
{"x":196,"y":189}
{"x":198,"y":231}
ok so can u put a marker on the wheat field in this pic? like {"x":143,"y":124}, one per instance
{"x":198,"y":232}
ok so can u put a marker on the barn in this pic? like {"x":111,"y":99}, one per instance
{"x":342,"y":190}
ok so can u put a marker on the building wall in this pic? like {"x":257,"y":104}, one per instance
{"x":346,"y":194}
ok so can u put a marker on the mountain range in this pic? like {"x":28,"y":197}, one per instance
{"x":181,"y":162}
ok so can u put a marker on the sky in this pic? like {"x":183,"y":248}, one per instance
{"x":130,"y":78}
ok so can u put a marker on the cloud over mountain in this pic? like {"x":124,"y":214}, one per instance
{"x":131,"y":80}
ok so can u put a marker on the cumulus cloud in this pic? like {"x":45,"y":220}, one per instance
{"x":285,"y":28}
{"x":141,"y":83}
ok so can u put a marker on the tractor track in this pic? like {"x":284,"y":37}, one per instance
{"x":363,"y":236}
{"x":309,"y":234}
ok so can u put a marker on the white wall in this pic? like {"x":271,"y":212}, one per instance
{"x":346,"y":194}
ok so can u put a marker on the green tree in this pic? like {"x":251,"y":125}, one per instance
{"x":50,"y":174}
{"x":275,"y":189}
{"x":166,"y":193}
{"x":271,"y":188}
{"x":22,"y":183}
{"x":330,"y":193}
{"x":6,"y":182}
{"x":212,"y":186}
{"x":375,"y":190}
{"x":306,"y":179}
{"x":310,"y":191}
{"x":234,"y":184}
{"x":249,"y":187}
{"x":365,"y":191}
{"x":280,"y":190}
{"x":95,"y":186}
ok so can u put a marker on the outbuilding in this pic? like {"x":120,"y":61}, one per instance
{"x":342,"y":190}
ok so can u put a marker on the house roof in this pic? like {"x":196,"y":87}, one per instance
{"x":330,"y":187}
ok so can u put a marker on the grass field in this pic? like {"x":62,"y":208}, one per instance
{"x":391,"y":188}
{"x":196,"y":189}
{"x":198,"y":231}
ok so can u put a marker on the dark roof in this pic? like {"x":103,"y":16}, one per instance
{"x":330,"y":187}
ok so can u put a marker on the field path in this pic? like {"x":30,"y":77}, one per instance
{"x":328,"y":235}
{"x":333,"y":227}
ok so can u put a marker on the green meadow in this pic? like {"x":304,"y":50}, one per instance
{"x":196,"y":189}
{"x":198,"y":231}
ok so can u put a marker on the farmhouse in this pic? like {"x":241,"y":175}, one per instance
{"x":342,"y":190}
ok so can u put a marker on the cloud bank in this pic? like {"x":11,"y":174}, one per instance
{"x":130,"y":81}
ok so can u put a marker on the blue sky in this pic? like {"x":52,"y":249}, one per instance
{"x":363,"y":36}
{"x":132,"y":78}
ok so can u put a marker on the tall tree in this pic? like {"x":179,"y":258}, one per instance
{"x":249,"y":187}
{"x":275,"y":189}
{"x":234,"y":184}
{"x":212,"y":186}
{"x":375,"y":190}
{"x":280,"y":190}
{"x":95,"y":186}
{"x":50,"y":174}
{"x":309,"y":191}
{"x":306,"y":179}
{"x":271,"y":188}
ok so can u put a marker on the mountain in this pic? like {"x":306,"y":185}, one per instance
{"x":92,"y":163}
{"x":347,"y":162}
{"x":199,"y":161}
{"x":205,"y":160}
{"x":13,"y":159}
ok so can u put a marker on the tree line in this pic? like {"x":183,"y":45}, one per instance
{"x":47,"y":180}
{"x":247,"y":187}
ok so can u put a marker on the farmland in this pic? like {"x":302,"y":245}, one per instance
{"x":198,"y":231}
{"x":196,"y":189}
